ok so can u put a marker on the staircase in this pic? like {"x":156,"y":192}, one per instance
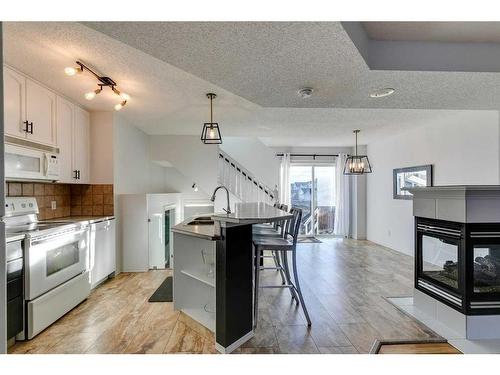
{"x":241,"y":183}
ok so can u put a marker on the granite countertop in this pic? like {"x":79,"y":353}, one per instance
{"x":73,"y":219}
{"x":209,"y":232}
{"x":252,"y":213}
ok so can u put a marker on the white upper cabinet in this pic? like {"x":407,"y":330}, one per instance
{"x":65,"y":118}
{"x":30,"y":109}
{"x":35,"y":113}
{"x":14,"y":88}
{"x":41,"y":113}
{"x":81,"y":146}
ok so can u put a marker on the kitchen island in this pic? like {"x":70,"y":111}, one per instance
{"x":213,"y":270}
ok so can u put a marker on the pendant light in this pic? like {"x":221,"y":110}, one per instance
{"x":357,"y":164}
{"x":211,"y":132}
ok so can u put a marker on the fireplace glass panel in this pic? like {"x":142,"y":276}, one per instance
{"x":486,"y":268}
{"x":440,"y":260}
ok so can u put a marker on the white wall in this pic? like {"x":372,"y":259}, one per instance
{"x":101,"y":140}
{"x":462,"y":146}
{"x":186,"y":153}
{"x":133,"y":170}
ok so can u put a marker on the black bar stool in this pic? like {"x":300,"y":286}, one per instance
{"x":280,"y":245}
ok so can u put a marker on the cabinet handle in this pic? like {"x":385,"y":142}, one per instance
{"x":26,"y":128}
{"x":76,"y":174}
{"x":31,"y":127}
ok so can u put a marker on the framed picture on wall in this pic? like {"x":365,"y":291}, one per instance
{"x":404,"y":178}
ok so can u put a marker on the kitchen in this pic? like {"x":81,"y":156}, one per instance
{"x":54,"y":218}
{"x":157,"y":203}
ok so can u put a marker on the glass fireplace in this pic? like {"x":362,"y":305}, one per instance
{"x":459,"y":264}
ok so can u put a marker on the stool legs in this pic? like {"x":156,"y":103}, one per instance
{"x":297,"y":286}
{"x":258,"y":255}
{"x":286,"y":267}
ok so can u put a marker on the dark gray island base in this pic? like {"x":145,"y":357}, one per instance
{"x":232,"y":234}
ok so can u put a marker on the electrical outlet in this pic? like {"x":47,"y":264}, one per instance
{"x":53,"y":205}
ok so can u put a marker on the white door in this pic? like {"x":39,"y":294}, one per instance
{"x":81,"y":145}
{"x":14,"y":88}
{"x":64,"y":119}
{"x":41,"y":111}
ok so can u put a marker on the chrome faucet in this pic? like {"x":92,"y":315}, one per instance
{"x":228,"y":210}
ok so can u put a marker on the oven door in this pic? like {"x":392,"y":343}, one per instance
{"x":54,"y":259}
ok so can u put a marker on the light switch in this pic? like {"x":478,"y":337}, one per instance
{"x":53,"y":205}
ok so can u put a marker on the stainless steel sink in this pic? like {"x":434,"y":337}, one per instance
{"x":201,"y":220}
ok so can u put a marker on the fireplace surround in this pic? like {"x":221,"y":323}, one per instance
{"x":457,"y":259}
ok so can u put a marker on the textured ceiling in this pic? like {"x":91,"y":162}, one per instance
{"x":169,"y":100}
{"x":267,"y":62}
{"x":454,"y":32}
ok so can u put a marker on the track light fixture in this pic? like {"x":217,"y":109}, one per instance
{"x":103,"y":81}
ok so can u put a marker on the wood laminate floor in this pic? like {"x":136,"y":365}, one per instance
{"x":344,"y":284}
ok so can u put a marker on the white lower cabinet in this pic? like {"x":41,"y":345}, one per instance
{"x":102,"y":251}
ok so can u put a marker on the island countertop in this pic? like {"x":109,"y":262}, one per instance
{"x":252,"y":213}
{"x":209,"y":232}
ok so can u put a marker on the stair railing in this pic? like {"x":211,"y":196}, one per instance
{"x":241,"y":182}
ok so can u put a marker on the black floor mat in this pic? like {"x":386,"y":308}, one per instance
{"x":164,"y":292}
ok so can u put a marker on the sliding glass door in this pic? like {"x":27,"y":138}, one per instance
{"x":312,"y":188}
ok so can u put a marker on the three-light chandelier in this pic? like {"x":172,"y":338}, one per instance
{"x":102,"y":81}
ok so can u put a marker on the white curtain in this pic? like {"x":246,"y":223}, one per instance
{"x":285,"y":180}
{"x":342,"y":198}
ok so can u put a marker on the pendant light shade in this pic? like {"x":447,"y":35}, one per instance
{"x":357,"y":164}
{"x":211,"y":132}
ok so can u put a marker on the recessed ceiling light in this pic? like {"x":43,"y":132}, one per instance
{"x":305,"y":92}
{"x":380,"y":93}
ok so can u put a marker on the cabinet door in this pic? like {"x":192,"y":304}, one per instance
{"x":65,"y":115}
{"x":41,"y":111}
{"x":81,"y":145}
{"x":14,"y":89}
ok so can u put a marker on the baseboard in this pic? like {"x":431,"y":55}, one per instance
{"x":235,"y":345}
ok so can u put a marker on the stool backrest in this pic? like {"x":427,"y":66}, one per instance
{"x":281,"y":224}
{"x":292,"y":226}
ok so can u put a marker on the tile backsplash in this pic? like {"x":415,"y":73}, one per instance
{"x":71,"y":200}
{"x":92,"y":200}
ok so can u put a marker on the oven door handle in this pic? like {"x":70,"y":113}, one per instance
{"x":43,"y":240}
